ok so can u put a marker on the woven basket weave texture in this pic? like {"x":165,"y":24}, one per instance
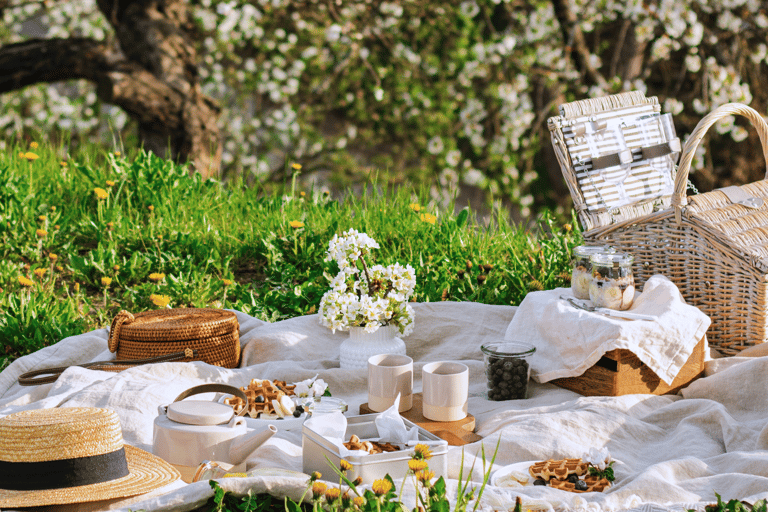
{"x":715,"y":250}
{"x":213,"y":333}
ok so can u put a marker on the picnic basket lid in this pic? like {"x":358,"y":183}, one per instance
{"x":168,"y":325}
{"x":617,"y":155}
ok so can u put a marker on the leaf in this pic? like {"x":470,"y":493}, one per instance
{"x":461,"y":218}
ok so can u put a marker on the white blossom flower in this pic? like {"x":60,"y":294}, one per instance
{"x":600,"y":459}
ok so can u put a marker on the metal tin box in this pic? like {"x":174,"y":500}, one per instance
{"x":315,"y":449}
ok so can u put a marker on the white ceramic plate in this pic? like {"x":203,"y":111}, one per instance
{"x":285,"y":424}
{"x":501,"y":477}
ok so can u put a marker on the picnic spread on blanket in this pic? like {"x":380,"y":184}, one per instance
{"x":641,"y":387}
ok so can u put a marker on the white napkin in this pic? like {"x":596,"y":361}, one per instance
{"x":569,"y":341}
{"x":389,"y":424}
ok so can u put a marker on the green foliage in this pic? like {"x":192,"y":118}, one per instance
{"x":222,"y":501}
{"x":736,"y":506}
{"x":70,"y":260}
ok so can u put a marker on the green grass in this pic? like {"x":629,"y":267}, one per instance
{"x":226,"y":245}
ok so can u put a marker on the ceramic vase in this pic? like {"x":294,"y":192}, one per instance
{"x":355,"y":350}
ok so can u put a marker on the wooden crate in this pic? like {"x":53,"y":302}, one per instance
{"x":620,"y":372}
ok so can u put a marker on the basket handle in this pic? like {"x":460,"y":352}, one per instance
{"x":123,"y":317}
{"x":679,"y":197}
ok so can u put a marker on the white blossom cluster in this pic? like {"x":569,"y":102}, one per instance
{"x":362,"y":295}
{"x":455,"y":98}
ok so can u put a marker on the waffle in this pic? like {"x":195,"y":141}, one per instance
{"x":371,"y":447}
{"x":594,"y":484}
{"x":271,"y":392}
{"x":558,"y":469}
{"x":556,"y":473}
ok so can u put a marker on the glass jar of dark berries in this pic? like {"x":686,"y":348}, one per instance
{"x":508,"y":369}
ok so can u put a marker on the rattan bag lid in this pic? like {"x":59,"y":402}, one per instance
{"x":164,"y":325}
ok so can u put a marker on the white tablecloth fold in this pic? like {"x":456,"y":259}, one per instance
{"x":569,"y":341}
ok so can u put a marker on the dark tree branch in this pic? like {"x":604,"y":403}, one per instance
{"x":152,"y":75}
{"x":575,"y":43}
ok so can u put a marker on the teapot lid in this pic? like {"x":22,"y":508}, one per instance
{"x":200,"y":412}
{"x":204,"y":412}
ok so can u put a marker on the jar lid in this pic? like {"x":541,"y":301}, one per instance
{"x":508,"y":349}
{"x":326,"y":404}
{"x":588,"y":250}
{"x":200,"y":412}
{"x":620,"y":259}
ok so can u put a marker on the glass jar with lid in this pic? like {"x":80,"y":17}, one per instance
{"x":582,"y":268}
{"x":613,"y":283}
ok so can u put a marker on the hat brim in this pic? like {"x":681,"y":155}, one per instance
{"x":147,"y":472}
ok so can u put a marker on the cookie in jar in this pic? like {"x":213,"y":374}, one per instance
{"x":613,"y":283}
{"x":582,"y":268}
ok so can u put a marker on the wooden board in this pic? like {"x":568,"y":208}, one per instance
{"x":457,"y":433}
{"x":620,"y":372}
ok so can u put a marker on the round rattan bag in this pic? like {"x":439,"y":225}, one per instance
{"x":213,"y":333}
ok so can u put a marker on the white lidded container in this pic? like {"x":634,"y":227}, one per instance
{"x":315,"y":448}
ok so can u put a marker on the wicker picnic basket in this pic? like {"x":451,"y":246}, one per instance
{"x":212,"y":333}
{"x":714,"y":245}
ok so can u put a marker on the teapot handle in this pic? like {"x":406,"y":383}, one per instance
{"x":212,"y":388}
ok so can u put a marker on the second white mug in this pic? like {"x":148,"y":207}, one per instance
{"x":388,"y":375}
{"x":445,"y":391}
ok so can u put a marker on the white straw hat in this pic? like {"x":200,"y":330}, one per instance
{"x":72,"y":455}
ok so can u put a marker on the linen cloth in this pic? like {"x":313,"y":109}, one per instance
{"x":569,"y":341}
{"x":672,"y":452}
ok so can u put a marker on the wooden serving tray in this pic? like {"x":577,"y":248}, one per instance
{"x":457,"y":433}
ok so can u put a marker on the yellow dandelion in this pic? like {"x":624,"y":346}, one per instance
{"x":151,"y":208}
{"x":226,"y":282}
{"x":316,"y":475}
{"x":22,"y":155}
{"x":53,"y":256}
{"x":100,"y":193}
{"x":110,"y":183}
{"x":53,"y":208}
{"x":358,"y":481}
{"x":382,"y":486}
{"x":425,"y":475}
{"x":116,"y":267}
{"x":117,"y":153}
{"x":415,"y":207}
{"x":55,"y":226}
{"x":59,"y":268}
{"x":428,"y":217}
{"x":302,"y":193}
{"x":296,"y":167}
{"x":42,"y":218}
{"x":26,"y":282}
{"x":106,"y":281}
{"x":41,"y":233}
{"x":318,"y":489}
{"x":30,"y":156}
{"x":332,"y":493}
{"x":39,"y":272}
{"x":77,"y":287}
{"x":63,"y":163}
{"x":422,"y":451}
{"x":568,"y":228}
{"x":110,"y":225}
{"x":358,"y":501}
{"x":417,"y":465}
{"x":33,"y":145}
{"x":296,"y":224}
{"x":156,"y":276}
{"x":344,"y":465}
{"x":160,"y":300}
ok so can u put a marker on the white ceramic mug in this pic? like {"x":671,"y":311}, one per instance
{"x":388,"y":375}
{"x":445,"y":391}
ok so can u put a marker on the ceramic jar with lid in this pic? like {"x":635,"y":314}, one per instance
{"x":613,"y":283}
{"x":581,"y":277}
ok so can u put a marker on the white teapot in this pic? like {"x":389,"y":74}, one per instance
{"x":188,"y":432}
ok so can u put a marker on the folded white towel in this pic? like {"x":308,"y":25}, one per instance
{"x":569,"y":341}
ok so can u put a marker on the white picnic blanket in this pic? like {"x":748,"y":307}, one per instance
{"x":672,"y":452}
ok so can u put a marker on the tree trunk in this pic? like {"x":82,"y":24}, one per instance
{"x":151,"y":74}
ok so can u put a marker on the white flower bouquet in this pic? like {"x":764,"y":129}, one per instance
{"x":362,"y":295}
